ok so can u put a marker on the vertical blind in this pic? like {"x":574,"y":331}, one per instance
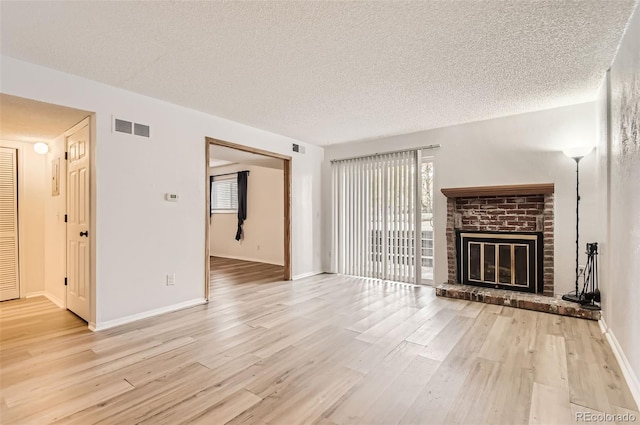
{"x":376,"y":215}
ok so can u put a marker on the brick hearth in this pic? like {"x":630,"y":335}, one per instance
{"x":522,"y":300}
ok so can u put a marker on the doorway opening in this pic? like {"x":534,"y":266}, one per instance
{"x":248,"y":217}
{"x":46,"y":235}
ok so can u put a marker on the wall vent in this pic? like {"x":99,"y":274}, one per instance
{"x":128,"y":127}
{"x":141,"y":130}
{"x":123,"y":126}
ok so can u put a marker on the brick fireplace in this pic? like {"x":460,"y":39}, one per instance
{"x":502,"y":219}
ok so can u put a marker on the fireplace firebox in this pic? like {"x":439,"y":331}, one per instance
{"x":504,"y":260}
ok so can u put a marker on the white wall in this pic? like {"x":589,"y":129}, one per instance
{"x":264,"y":227}
{"x":518,"y":149}
{"x":55,"y":228}
{"x":139,"y":237}
{"x":31,"y":205}
{"x":621,"y":291}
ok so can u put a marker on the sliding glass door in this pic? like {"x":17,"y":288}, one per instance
{"x":377,"y":216}
{"x":426,"y":220}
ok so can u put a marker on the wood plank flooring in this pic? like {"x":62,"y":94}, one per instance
{"x":230,"y":271}
{"x":323,"y":350}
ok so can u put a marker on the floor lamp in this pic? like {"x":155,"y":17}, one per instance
{"x":576,"y":153}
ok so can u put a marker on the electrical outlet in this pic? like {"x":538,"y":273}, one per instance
{"x":171,"y":279}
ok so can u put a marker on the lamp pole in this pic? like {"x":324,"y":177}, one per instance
{"x":576,"y":296}
{"x":576,"y":154}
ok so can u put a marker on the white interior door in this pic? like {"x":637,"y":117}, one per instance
{"x":9,"y":283}
{"x":78,"y":237}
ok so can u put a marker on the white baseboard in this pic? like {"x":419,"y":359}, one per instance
{"x":253,"y":260}
{"x":57,"y":301}
{"x":139,"y":316}
{"x":629,"y":375}
{"x":303,"y":275}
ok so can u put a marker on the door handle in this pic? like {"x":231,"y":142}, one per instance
{"x":85,"y":233}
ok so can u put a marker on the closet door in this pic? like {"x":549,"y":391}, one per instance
{"x":9,"y":288}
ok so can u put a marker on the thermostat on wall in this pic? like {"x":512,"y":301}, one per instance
{"x":171,"y":197}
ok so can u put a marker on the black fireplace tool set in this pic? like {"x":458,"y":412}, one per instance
{"x":589,"y":297}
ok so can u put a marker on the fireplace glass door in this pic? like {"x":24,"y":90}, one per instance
{"x":507,"y":261}
{"x":506,"y":264}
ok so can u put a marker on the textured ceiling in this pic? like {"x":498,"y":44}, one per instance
{"x":25,"y":120}
{"x":330,"y":72}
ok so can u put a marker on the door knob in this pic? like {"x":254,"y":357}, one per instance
{"x":85,"y":233}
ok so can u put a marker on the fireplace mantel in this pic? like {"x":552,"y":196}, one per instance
{"x":517,"y":189}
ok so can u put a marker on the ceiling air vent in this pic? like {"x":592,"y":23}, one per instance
{"x":123,"y":126}
{"x":141,"y":130}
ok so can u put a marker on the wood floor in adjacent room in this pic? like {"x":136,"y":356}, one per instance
{"x":230,"y":271}
{"x":325,"y":350}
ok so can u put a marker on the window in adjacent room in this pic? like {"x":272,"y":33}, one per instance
{"x":224,"y":195}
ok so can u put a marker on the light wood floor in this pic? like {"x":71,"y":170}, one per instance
{"x":229,"y":271}
{"x":323,"y":350}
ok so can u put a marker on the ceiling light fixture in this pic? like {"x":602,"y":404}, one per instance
{"x":41,"y":148}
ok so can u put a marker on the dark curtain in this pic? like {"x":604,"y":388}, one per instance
{"x":242,"y":201}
